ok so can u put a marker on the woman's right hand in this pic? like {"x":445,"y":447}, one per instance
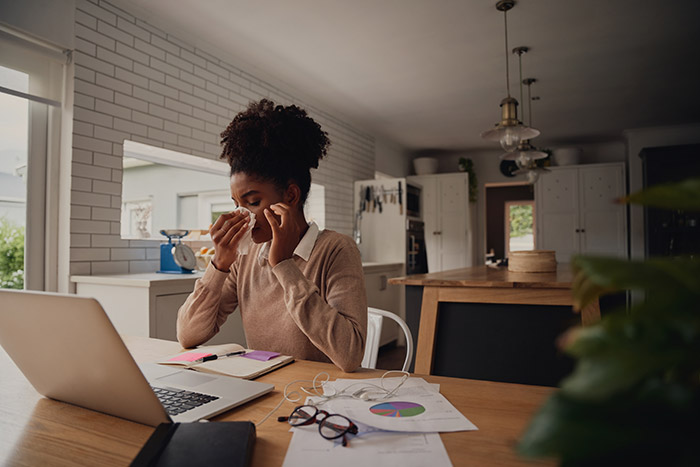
{"x":226,"y":233}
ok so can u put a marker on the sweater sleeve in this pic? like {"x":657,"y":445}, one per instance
{"x":207,"y":308}
{"x":338,"y":325}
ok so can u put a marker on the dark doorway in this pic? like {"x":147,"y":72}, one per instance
{"x":497,"y":195}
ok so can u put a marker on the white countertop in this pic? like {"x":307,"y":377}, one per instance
{"x":148,"y":278}
{"x":136,"y":280}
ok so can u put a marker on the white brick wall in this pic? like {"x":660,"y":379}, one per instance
{"x":135,"y":81}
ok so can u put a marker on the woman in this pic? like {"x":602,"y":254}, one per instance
{"x":300,"y":290}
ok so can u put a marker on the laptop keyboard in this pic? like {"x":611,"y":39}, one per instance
{"x":177,"y":401}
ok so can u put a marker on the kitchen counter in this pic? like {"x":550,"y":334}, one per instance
{"x":385,"y":297}
{"x":484,"y":276}
{"x":143,"y":304}
{"x":503,"y":324}
{"x":369,"y":266}
{"x":137,"y":280}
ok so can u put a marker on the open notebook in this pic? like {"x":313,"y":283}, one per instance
{"x":229,"y":360}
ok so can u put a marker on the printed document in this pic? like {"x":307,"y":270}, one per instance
{"x":416,"y":406}
{"x":369,"y":447}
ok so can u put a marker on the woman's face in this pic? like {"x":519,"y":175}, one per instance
{"x":255,"y":195}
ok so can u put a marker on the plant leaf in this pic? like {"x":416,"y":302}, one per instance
{"x":683,"y":195}
{"x":668,"y":280}
{"x":656,"y":424}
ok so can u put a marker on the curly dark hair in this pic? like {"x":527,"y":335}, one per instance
{"x":275,"y":143}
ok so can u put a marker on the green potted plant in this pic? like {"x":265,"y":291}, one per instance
{"x":634,"y":395}
{"x":467,"y":165}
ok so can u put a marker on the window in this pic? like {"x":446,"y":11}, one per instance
{"x":520,"y":226}
{"x":31,"y":86}
{"x":14,"y":129}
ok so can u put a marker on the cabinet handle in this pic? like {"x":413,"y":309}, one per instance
{"x":437,"y":233}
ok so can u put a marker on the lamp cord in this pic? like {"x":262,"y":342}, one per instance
{"x":505,"y":24}
{"x":368,"y":392}
{"x":529,"y":105}
{"x":520,"y":61}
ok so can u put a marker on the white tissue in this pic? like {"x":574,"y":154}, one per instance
{"x":247,"y":240}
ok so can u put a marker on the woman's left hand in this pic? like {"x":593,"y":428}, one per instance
{"x":285,"y":233}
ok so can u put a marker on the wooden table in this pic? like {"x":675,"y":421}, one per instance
{"x":40,"y":431}
{"x":482,"y":284}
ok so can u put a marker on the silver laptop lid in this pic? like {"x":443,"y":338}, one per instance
{"x":68,"y":350}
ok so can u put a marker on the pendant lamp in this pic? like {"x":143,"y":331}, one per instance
{"x":525,"y":151}
{"x":509,"y":131}
{"x":530,"y":168}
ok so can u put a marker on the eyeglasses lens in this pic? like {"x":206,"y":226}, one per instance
{"x":302,"y":415}
{"x":334,"y":426}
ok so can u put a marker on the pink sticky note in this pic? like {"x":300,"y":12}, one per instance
{"x":261,"y":355}
{"x":189,"y":357}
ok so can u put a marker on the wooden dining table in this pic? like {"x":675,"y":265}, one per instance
{"x":40,"y":431}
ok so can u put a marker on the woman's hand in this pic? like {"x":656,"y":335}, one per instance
{"x":285,"y":233}
{"x":226,"y":233}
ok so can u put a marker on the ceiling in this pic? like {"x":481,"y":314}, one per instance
{"x":430,"y":74}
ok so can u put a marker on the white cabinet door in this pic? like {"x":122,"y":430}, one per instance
{"x":446,"y":215}
{"x":385,"y":296}
{"x":429,"y":210}
{"x":603,"y":221}
{"x":557,"y":213}
{"x":454,"y":212}
{"x":577,"y":213}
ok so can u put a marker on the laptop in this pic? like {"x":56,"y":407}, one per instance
{"x":68,"y":349}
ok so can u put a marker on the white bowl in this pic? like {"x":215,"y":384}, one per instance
{"x":425,"y":165}
{"x":566,"y":156}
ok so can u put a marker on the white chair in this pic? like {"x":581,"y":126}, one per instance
{"x":375,"y":318}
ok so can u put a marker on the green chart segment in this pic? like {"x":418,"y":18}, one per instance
{"x":397,"y":409}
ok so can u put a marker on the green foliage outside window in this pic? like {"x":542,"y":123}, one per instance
{"x":11,"y":255}
{"x":520,"y":220}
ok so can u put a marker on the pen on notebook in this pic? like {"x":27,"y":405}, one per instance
{"x":214,"y":357}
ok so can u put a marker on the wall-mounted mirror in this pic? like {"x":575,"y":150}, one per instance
{"x":165,"y":189}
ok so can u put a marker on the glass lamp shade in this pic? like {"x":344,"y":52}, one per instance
{"x":532,"y":176}
{"x":509,"y":131}
{"x":531,"y":172}
{"x":524,"y":155}
{"x":510,"y":136}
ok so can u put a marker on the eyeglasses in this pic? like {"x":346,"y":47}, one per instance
{"x":331,"y":426}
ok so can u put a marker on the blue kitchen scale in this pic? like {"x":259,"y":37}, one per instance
{"x":176,"y":258}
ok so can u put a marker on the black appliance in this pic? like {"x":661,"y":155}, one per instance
{"x":413,"y":201}
{"x":671,"y":232}
{"x":416,"y":257}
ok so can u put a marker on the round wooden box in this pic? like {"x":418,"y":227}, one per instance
{"x":532,"y":261}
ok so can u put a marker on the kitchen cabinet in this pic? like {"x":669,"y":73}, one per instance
{"x":447,"y":216}
{"x":385,"y":296}
{"x":576,"y":211}
{"x":146,"y":305}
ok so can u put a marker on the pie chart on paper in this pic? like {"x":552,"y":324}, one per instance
{"x":397,"y":409}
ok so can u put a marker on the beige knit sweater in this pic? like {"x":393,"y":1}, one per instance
{"x":312,"y":310}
